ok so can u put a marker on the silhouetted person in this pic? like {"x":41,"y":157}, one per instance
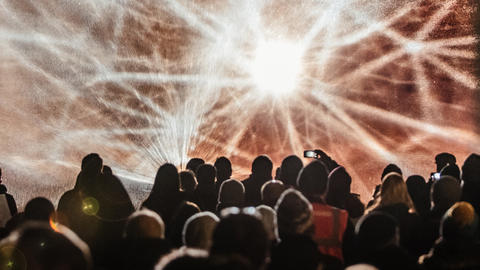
{"x":107,"y":170}
{"x":261,"y":173}
{"x":330,"y":222}
{"x":39,"y":209}
{"x":443,"y":159}
{"x":289,"y":170}
{"x":7,"y":203}
{"x":271,"y":191}
{"x":269,"y":220}
{"x":165,"y":196}
{"x":451,"y":170}
{"x":188,"y":183}
{"x":294,"y":215}
{"x":194,"y":163}
{"x":388,"y":169}
{"x":38,"y":246}
{"x":457,"y":247}
{"x":224,"y":171}
{"x":231,"y":194}
{"x":377,"y":243}
{"x":241,"y":234}
{"x":471,"y":181}
{"x":185,"y":259}
{"x":296,"y":252}
{"x":175,"y":228}
{"x":205,"y":195}
{"x":144,"y":241}
{"x":198,"y":230}
{"x":418,"y":190}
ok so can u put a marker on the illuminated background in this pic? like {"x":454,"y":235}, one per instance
{"x":145,"y":82}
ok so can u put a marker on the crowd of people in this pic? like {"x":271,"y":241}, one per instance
{"x":306,"y":217}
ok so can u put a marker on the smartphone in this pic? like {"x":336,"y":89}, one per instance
{"x":436,"y":176}
{"x":310,"y":154}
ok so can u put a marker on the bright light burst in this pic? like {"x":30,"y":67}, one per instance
{"x":145,"y":82}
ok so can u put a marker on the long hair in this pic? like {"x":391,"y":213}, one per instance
{"x":393,"y":191}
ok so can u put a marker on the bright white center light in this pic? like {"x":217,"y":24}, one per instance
{"x":276,"y":67}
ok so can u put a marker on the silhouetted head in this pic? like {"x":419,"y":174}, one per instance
{"x":183,"y":212}
{"x":375,"y":231}
{"x":445,"y":192}
{"x":184,"y":259}
{"x":271,"y":191}
{"x":460,"y":223}
{"x":394,"y":191}
{"x":262,"y":167}
{"x":443,"y":159}
{"x":269,"y":220}
{"x":296,"y":252}
{"x":38,"y":246}
{"x":106,"y":170}
{"x":206,"y":175}
{"x":224,"y":168}
{"x":144,"y":224}
{"x":312,"y":180}
{"x":194,"y":163}
{"x":471,"y":169}
{"x":198,"y":230}
{"x":92,"y":164}
{"x":188,"y":181}
{"x":242,"y":234}
{"x":167,"y":180}
{"x":391,"y":168}
{"x":232,"y":192}
{"x":338,"y":190}
{"x":418,"y":191}
{"x":289,"y":170}
{"x":39,"y":209}
{"x":451,"y":170}
{"x":294,"y":214}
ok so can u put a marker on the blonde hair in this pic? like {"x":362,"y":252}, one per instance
{"x":393,"y":191}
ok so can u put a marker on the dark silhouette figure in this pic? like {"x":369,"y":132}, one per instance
{"x":10,"y":201}
{"x":205,"y":195}
{"x":261,"y":172}
{"x":418,"y":190}
{"x":443,"y":159}
{"x":175,"y":229}
{"x":38,"y":246}
{"x":457,"y":247}
{"x":232,"y":194}
{"x":198,"y":230}
{"x":451,"y":170}
{"x":294,"y":215}
{"x":289,"y":170}
{"x":224,"y":171}
{"x":39,"y":209}
{"x":471,"y":181}
{"x":296,"y":252}
{"x":271,"y":191}
{"x":241,"y":234}
{"x":377,"y":241}
{"x":194,"y":163}
{"x":165,"y":196}
{"x":388,"y":169}
{"x":188,"y":184}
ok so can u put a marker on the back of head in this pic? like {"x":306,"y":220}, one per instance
{"x":375,"y":231}
{"x":471,"y":169}
{"x":144,"y":224}
{"x":206,"y":175}
{"x":194,"y":163}
{"x":312,"y":180}
{"x":232,"y":192}
{"x":443,"y":159}
{"x":37,"y":246}
{"x":339,"y":182}
{"x":198,"y":230}
{"x":296,"y":252}
{"x":269,"y":220}
{"x":262,"y":167}
{"x":294,"y":214}
{"x":289,"y":170}
{"x":394,"y":191}
{"x":188,"y":181}
{"x":241,"y":234}
{"x":224,"y":168}
{"x":445,"y":192}
{"x":451,"y":170}
{"x":271,"y":191}
{"x":416,"y":186}
{"x":39,"y":209}
{"x":175,"y":228}
{"x":92,"y":164}
{"x":391,"y":168}
{"x":460,"y":223}
{"x":167,"y":180}
{"x":184,"y":259}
